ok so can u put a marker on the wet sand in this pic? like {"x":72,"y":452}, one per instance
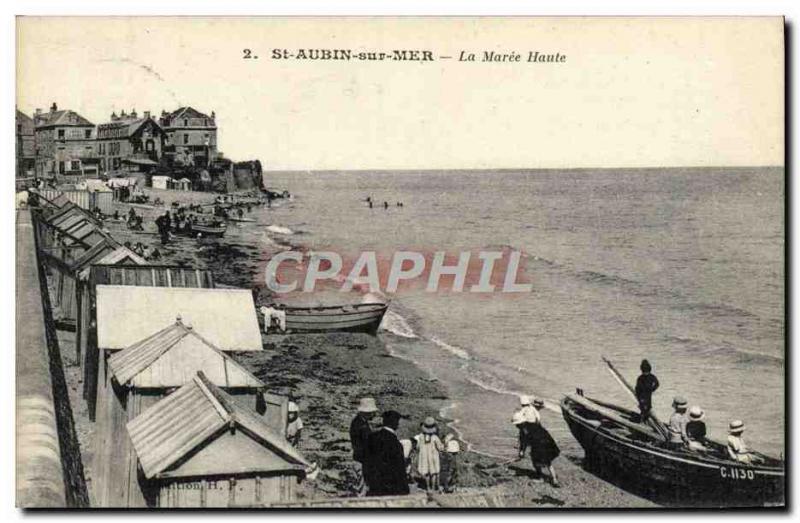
{"x":327,"y":374}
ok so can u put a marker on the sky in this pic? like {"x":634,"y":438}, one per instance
{"x":632,"y":92}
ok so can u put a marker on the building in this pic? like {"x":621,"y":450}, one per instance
{"x":199,"y":447}
{"x":140,"y":376}
{"x":64,"y":144}
{"x":130,"y":143}
{"x":26,"y":147}
{"x":191,"y":137}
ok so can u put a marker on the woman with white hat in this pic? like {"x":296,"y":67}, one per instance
{"x":737,"y":448}
{"x":696,"y":429}
{"x":428,"y":448}
{"x":532,"y":433}
{"x":527,"y":409}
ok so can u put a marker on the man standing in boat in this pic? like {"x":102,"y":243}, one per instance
{"x":646,"y":385}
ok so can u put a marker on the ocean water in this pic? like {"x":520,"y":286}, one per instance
{"x":684,"y":267}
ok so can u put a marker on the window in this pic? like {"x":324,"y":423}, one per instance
{"x":88,"y":133}
{"x":19,"y":128}
{"x":76,"y":165}
{"x":186,"y":122}
{"x":60,"y":167}
{"x":61,"y":134}
{"x":185,"y":139}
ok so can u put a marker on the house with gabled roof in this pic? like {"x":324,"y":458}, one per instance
{"x":142,"y":374}
{"x":199,"y":447}
{"x":130,"y":143}
{"x":191,"y":137}
{"x":64,"y":143}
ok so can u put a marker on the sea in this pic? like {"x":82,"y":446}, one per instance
{"x":681,"y":266}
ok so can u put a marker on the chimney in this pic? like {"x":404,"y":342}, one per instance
{"x":114,"y":116}
{"x":53,"y":108}
{"x":38,"y":111}
{"x":146,"y":115}
{"x":133,"y":113}
{"x":213,"y":115}
{"x":122,"y":113}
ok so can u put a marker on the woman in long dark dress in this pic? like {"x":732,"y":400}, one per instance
{"x":543,"y":447}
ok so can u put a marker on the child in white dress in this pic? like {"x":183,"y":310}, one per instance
{"x":428,"y":448}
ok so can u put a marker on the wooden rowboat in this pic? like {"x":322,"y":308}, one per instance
{"x":362,"y":317}
{"x":618,"y":446}
{"x":207,"y":231}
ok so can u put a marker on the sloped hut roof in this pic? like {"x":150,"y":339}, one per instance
{"x":106,"y":251}
{"x":172,"y":357}
{"x":177,"y":429}
{"x":152,"y":276}
{"x":128,"y":314}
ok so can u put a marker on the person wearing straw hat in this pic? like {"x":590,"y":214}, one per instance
{"x":428,"y":448}
{"x":677,"y":423}
{"x":360,"y":429}
{"x":696,"y":429}
{"x":737,"y":448}
{"x":294,"y":425}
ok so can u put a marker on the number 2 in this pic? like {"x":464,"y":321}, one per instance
{"x":247,"y":53}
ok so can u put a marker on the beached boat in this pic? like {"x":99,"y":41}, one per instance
{"x":241,"y":220}
{"x":618,"y":446}
{"x":362,"y":317}
{"x":208,"y":231}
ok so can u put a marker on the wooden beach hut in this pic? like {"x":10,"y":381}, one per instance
{"x":71,"y":240}
{"x":134,"y":275}
{"x":73,"y":275}
{"x":198,"y":447}
{"x":140,"y":376}
{"x":124,"y":314}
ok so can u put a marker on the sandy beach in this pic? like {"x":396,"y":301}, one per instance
{"x":327,"y":374}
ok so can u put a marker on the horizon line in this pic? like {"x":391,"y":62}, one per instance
{"x":517,"y":169}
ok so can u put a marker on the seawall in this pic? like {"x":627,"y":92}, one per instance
{"x":48,"y":466}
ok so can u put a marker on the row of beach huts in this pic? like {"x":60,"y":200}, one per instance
{"x":177,"y":421}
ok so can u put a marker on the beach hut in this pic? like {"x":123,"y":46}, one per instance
{"x":184,"y":184}
{"x":139,"y":376}
{"x":160,"y":182}
{"x":198,"y":448}
{"x":125,"y":274}
{"x":72,"y":275}
{"x":71,"y":240}
{"x":121,"y":315}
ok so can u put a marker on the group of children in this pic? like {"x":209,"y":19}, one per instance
{"x":437,"y":459}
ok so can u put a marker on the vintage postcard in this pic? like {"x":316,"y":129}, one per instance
{"x":400,"y":262}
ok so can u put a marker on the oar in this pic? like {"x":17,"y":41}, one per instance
{"x":655,"y":422}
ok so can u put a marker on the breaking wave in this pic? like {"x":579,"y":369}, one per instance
{"x":279,"y":229}
{"x":397,"y":325}
{"x":452,"y":349}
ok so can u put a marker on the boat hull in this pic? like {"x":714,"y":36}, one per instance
{"x":207,"y":232}
{"x":673,"y":476}
{"x":357,"y":318}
